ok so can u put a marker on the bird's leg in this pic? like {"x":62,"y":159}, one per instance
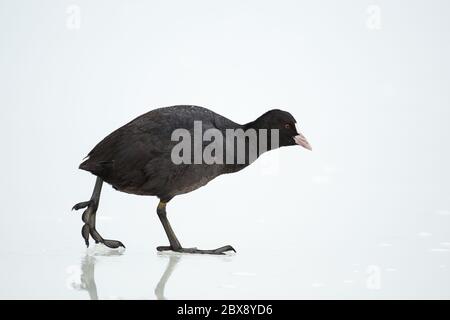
{"x":89,"y":218}
{"x":161,"y":210}
{"x":175,"y":244}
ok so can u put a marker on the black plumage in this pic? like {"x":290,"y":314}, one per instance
{"x":136,"y":159}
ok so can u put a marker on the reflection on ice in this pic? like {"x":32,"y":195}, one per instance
{"x":174,"y":259}
{"x":86,"y":279}
{"x":83,"y":277}
{"x":378,"y":271}
{"x":100,"y":249}
{"x":159,"y":290}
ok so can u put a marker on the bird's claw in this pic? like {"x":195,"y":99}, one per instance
{"x":113,"y":244}
{"x":82,"y":205}
{"x":224,"y":249}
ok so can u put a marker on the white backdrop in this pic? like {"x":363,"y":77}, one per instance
{"x":365,"y":215}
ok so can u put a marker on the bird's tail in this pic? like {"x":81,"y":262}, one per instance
{"x":99,"y":168}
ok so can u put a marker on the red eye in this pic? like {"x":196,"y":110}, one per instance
{"x":287,"y":126}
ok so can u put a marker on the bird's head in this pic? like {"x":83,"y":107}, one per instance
{"x":285,"y":123}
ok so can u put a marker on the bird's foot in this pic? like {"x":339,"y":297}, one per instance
{"x":89,"y":230}
{"x":89,"y":226}
{"x":218,"y":251}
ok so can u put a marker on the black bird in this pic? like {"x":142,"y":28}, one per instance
{"x":137,"y":159}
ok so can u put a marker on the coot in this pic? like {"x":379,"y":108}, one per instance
{"x":140,"y":158}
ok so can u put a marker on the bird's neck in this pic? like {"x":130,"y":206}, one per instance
{"x":267,"y":139}
{"x":256,"y":141}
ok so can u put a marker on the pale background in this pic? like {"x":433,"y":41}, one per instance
{"x":365,"y":215}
